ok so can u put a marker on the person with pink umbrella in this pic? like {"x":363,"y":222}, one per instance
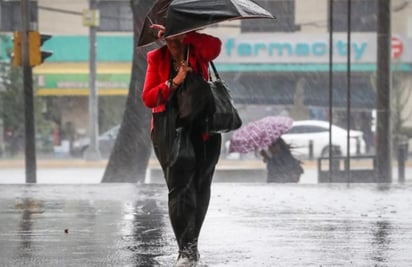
{"x":281,"y":165}
{"x":264,"y":136}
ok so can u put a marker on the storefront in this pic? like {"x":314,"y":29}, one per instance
{"x":293,"y":70}
{"x":289,"y":71}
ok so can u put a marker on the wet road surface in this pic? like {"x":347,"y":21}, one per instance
{"x":247,"y":225}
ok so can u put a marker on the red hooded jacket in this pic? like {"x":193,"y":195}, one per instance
{"x":203,"y":49}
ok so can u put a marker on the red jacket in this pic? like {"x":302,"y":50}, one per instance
{"x":203,"y":48}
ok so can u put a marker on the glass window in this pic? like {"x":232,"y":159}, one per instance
{"x":315,"y":129}
{"x":363,"y":15}
{"x":283,"y":10}
{"x":115,"y":16}
{"x":307,"y":129}
{"x":10,"y":13}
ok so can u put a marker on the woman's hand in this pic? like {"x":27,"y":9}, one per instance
{"x":181,"y":74}
{"x":160,"y":28}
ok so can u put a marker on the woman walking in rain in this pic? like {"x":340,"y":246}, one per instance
{"x":189,"y":178}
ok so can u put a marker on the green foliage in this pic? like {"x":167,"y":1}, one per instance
{"x":12,"y":98}
{"x":111,"y":109}
{"x":407,"y":131}
{"x":12,"y":108}
{"x":400,"y":96}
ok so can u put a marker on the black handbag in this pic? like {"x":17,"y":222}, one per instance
{"x":222,"y":114}
{"x":165,"y":136}
{"x":207,"y":104}
{"x":193,"y":96}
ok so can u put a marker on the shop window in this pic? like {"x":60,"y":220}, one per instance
{"x":10,"y":14}
{"x":363,"y":15}
{"x":115,"y":16}
{"x":283,"y":10}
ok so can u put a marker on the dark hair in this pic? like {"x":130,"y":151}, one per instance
{"x":286,"y":150}
{"x":284,"y":147}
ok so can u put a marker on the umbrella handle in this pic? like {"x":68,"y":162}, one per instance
{"x":187,"y":55}
{"x":160,"y":29}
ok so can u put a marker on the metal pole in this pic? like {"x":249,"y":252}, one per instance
{"x":402,"y":152}
{"x":330,"y":85}
{"x":384,"y":129}
{"x":30,"y":143}
{"x":2,"y":152}
{"x":348,"y":96}
{"x":2,"y":89}
{"x":311,"y":149}
{"x":93,"y":153}
{"x":2,"y":149}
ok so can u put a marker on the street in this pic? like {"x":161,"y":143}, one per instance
{"x":92,"y":89}
{"x":247,"y":225}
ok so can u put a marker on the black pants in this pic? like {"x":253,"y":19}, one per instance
{"x":188,"y":181}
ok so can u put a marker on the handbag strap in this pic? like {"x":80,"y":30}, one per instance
{"x":214,"y":70}
{"x":199,"y":67}
{"x":211,"y":64}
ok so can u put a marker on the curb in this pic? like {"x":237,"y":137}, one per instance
{"x":153,"y":164}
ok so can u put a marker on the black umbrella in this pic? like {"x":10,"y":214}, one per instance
{"x":188,"y":15}
{"x":157,"y":15}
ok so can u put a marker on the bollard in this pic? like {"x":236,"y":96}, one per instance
{"x":1,"y":138}
{"x":335,"y":161}
{"x":358,"y":146}
{"x":402,"y":153}
{"x":311,"y":149}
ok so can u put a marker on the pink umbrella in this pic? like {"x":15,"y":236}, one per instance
{"x":259,"y":134}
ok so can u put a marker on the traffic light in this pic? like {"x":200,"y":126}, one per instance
{"x":36,"y":55}
{"x":35,"y":41}
{"x":16,"y":56}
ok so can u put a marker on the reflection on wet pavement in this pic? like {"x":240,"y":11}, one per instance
{"x":247,"y":225}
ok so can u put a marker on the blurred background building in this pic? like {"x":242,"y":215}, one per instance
{"x":273,"y":68}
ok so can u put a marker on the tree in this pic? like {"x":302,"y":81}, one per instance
{"x":131,"y":152}
{"x":12,"y":103}
{"x":400,"y":100}
{"x":401,"y":94}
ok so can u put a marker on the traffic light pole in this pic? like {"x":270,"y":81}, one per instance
{"x":30,"y":144}
{"x":93,"y":153}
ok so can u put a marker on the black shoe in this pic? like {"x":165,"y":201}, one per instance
{"x":193,"y":248}
{"x":186,"y":259}
{"x":189,"y":256}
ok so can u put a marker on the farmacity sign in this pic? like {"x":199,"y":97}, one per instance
{"x":302,"y":48}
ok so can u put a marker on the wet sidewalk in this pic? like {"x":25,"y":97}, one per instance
{"x":247,"y":225}
{"x":77,"y":171}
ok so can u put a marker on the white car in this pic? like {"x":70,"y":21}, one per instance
{"x":303,"y":132}
{"x":106,"y":143}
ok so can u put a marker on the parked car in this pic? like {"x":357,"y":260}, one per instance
{"x":106,"y":143}
{"x":302,"y":132}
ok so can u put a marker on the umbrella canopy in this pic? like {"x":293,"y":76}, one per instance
{"x":259,"y":134}
{"x":189,"y":15}
{"x":157,"y":15}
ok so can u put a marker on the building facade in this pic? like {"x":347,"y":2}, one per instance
{"x":272,"y":67}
